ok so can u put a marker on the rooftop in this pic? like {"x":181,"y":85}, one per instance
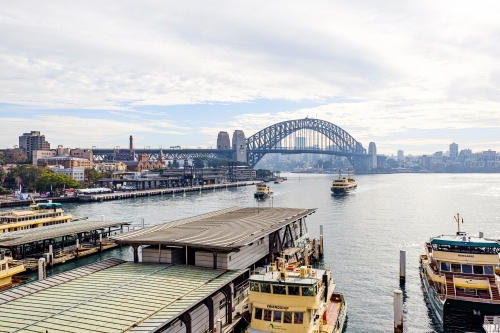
{"x":458,"y":240}
{"x":225,"y":230}
{"x":109,"y":296}
{"x":38,"y":234}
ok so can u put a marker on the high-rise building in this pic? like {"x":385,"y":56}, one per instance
{"x":32,"y":141}
{"x":372,"y":150}
{"x":401,"y":156}
{"x":453,"y":150}
{"x":223,"y":141}
{"x":240,"y":146}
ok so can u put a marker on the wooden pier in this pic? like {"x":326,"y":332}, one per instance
{"x":160,"y":191}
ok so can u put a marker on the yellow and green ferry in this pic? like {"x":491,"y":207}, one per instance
{"x":296,"y":300}
{"x":38,"y":215}
{"x":262,"y":191}
{"x":461,"y":272}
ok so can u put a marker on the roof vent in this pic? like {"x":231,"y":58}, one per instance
{"x":481,"y":235}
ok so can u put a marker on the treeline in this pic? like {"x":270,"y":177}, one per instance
{"x":43,"y":179}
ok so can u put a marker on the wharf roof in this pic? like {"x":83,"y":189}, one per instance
{"x":458,"y":240}
{"x":116,"y":297}
{"x":15,"y":238}
{"x":224,"y":230}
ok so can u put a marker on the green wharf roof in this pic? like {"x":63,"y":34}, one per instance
{"x":116,"y":297}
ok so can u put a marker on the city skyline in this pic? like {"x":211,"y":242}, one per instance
{"x":412,"y":76}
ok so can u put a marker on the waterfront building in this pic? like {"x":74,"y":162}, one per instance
{"x":77,"y":174}
{"x":79,"y":153}
{"x":66,"y":161}
{"x":401,"y":156}
{"x":143,"y":163}
{"x":111,"y":166}
{"x":124,"y":155}
{"x":453,"y":151}
{"x":33,"y":141}
{"x":223,"y":141}
{"x":240,"y":146}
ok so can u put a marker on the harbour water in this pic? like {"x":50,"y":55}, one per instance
{"x":364,"y":231}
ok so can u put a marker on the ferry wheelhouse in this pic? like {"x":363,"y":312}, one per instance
{"x":262,"y":191}
{"x":343,"y":184}
{"x":461,"y":272}
{"x":38,"y":215}
{"x":8,"y":268}
{"x":297,"y":301}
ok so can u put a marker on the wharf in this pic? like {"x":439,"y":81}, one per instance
{"x":161,"y":191}
{"x":19,"y":203}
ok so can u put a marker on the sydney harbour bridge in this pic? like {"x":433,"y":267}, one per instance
{"x":308,"y":135}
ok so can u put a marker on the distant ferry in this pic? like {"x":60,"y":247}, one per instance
{"x":38,"y":215}
{"x":300,"y":300}
{"x":461,"y":272}
{"x":262,"y":191}
{"x":343,"y":184}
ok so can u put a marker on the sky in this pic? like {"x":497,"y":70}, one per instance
{"x":410,"y":75}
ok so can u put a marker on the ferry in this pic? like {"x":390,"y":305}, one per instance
{"x":262,"y":191}
{"x":461,"y":272}
{"x":296,"y":300}
{"x":343,"y":184}
{"x":8,"y":268}
{"x":38,"y":215}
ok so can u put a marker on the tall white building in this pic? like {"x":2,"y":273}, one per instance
{"x":401,"y":156}
{"x":453,"y":150}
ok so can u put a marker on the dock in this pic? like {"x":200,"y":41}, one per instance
{"x":117,"y":195}
{"x":188,"y":274}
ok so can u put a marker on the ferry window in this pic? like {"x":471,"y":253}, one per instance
{"x":478,"y":269}
{"x":265,"y":288}
{"x":277,"y":316}
{"x":294,"y":291}
{"x":456,"y":268}
{"x":298,"y":317}
{"x":279,"y":289}
{"x":287,"y":318}
{"x":254,"y":286}
{"x":258,"y":313}
{"x":467,"y":269}
{"x":267,"y":315}
{"x":488,"y":270}
{"x":445,"y":266}
{"x":308,"y":291}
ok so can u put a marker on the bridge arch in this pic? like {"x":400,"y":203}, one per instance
{"x":269,"y":140}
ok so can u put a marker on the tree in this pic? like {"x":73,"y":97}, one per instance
{"x":16,"y":155}
{"x":392,"y":163}
{"x":199,"y":162}
{"x":92,"y":176}
{"x":3,"y":190}
{"x":55,"y":181}
{"x":263,"y":173}
{"x":25,"y":175}
{"x":3,"y":175}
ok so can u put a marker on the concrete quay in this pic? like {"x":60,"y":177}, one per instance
{"x":161,"y":191}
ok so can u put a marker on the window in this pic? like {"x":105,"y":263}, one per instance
{"x":467,"y":269}
{"x":279,"y":289}
{"x":456,"y":268}
{"x":445,"y":266}
{"x":287,"y":318}
{"x":308,"y":291}
{"x":488,"y":270}
{"x":267,"y":315}
{"x":265,"y":288}
{"x":293,"y":290}
{"x":258,"y":313}
{"x":254,"y":286}
{"x":478,"y":269}
{"x":277,"y":316}
{"x":298,"y":317}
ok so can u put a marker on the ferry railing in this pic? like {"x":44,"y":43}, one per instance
{"x":491,"y":324}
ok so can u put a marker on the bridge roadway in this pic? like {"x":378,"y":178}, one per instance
{"x":161,"y":191}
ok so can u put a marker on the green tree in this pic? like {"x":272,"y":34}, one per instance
{"x":92,"y":176}
{"x":25,"y":175}
{"x":392,"y":163}
{"x":3,"y":190}
{"x":199,"y":162}
{"x":3,"y":175}
{"x":54,"y":180}
{"x":263,"y":173}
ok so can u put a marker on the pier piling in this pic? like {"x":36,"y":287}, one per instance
{"x":142,"y":222}
{"x":51,"y":256}
{"x":219,"y":326}
{"x":402,"y":266}
{"x":41,"y":269}
{"x":102,"y":218}
{"x":398,"y":311}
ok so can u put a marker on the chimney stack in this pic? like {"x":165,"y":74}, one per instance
{"x":131,"y":143}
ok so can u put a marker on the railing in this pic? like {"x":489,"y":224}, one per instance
{"x":491,"y":324}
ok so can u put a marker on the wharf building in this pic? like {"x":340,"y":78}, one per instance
{"x":185,"y":275}
{"x":33,"y":141}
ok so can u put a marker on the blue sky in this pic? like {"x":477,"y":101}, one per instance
{"x":413,"y":75}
